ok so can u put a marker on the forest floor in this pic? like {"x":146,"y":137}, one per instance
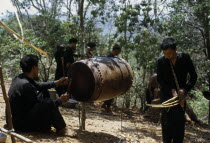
{"x":128,"y":127}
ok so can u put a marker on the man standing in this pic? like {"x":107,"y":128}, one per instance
{"x":69,"y":53}
{"x":68,"y":60}
{"x":60,"y":72}
{"x":115,"y":52}
{"x":172,"y":71}
{"x":31,"y":106}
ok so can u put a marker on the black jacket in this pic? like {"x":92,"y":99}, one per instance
{"x":24,"y":94}
{"x":183,"y":67}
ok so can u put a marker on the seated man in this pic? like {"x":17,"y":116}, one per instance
{"x":31,"y":106}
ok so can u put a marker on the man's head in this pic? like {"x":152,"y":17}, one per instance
{"x":168,"y":46}
{"x":73,"y":43}
{"x":116,"y":49}
{"x":29,"y":65}
{"x":91,"y":46}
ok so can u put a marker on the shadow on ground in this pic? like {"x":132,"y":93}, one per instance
{"x":83,"y":137}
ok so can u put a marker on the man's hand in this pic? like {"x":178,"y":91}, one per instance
{"x":62,"y":81}
{"x":174,"y":93}
{"x":181,"y":95}
{"x":64,"y":97}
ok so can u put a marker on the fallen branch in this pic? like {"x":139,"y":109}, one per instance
{"x":161,"y":105}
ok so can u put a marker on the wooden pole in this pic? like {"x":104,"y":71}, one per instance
{"x":13,"y":134}
{"x":8,"y":109}
{"x":83,"y":117}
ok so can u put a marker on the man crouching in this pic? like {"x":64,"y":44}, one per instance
{"x":31,"y":106}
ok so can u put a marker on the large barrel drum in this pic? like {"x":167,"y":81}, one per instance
{"x":100,"y":78}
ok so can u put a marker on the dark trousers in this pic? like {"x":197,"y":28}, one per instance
{"x":108,"y":103}
{"x":173,"y":124}
{"x":42,"y":116}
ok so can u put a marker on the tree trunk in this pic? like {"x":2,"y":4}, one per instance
{"x":203,"y":16}
{"x":143,"y":105}
{"x":81,"y":19}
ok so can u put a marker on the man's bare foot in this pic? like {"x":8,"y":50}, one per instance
{"x":67,"y":132}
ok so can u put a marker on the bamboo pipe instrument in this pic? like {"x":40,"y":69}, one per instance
{"x":13,"y":134}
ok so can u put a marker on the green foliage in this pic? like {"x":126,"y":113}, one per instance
{"x":200,"y":105}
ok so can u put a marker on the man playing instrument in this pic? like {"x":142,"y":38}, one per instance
{"x":172,"y":71}
{"x":31,"y":106}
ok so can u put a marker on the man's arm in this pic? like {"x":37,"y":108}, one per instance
{"x":46,"y":85}
{"x":31,"y":94}
{"x":52,"y":84}
{"x":193,"y":75}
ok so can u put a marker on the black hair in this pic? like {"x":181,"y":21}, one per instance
{"x":168,"y":43}
{"x":28,"y":61}
{"x":72,"y":40}
{"x":91,"y":44}
{"x":116,"y":47}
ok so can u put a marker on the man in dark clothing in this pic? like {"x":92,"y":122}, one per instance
{"x":68,"y":58}
{"x":69,"y":53}
{"x":31,"y":106}
{"x":90,"y":47}
{"x":60,"y":67}
{"x":115,"y":52}
{"x":173,"y":119}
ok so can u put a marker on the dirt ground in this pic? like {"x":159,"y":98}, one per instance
{"x":131,"y":127}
